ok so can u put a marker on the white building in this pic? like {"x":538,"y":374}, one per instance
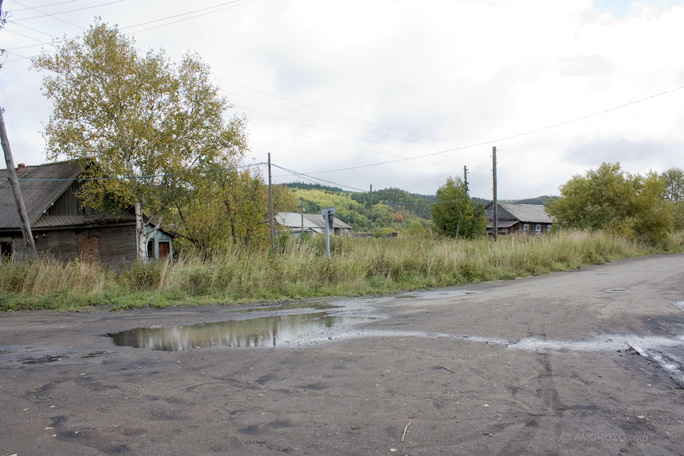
{"x":313,"y":224}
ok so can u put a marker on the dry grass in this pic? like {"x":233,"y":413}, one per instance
{"x":299,"y":269}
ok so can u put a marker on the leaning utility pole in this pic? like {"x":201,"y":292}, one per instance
{"x":270,"y":203}
{"x":495,"y":213}
{"x":14,"y":183}
{"x":16,"y":190}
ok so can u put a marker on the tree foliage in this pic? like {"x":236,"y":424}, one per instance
{"x":455,"y":214}
{"x":157,"y":126}
{"x":228,"y":210}
{"x":673,"y":180}
{"x":613,"y":200}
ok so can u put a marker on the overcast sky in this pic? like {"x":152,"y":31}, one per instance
{"x":399,"y":93}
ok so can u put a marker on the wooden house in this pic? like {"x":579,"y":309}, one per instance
{"x":518,"y":218}
{"x":296,"y":223}
{"x":65,"y":228}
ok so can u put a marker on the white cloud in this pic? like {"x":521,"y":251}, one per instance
{"x":439,"y":75}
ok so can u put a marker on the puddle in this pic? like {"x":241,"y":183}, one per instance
{"x":263,"y":332}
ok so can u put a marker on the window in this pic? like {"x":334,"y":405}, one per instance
{"x":5,"y":249}
{"x":537,"y":228}
{"x":526,"y":227}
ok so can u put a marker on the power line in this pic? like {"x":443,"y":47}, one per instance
{"x":333,"y":132}
{"x":44,"y":6}
{"x":54,"y":17}
{"x":314,"y":178}
{"x":330,"y":112}
{"x":27,"y":36}
{"x":193,"y":17}
{"x":66,"y":12}
{"x":383,"y":201}
{"x":332,"y":142}
{"x":188,"y":13}
{"x":135,"y":177}
{"x":505,"y":138}
{"x":32,"y":29}
{"x":323,"y":118}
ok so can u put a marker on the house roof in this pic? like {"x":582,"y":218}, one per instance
{"x":294,"y":220}
{"x":40,"y":187}
{"x":502,"y":224}
{"x":528,"y":213}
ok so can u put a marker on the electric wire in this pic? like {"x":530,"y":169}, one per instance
{"x":331,"y":112}
{"x":54,"y":17}
{"x":506,"y":138}
{"x":187,"y":14}
{"x":135,"y":177}
{"x":195,"y":16}
{"x":45,"y":6}
{"x":322,"y":118}
{"x":336,"y":133}
{"x":363,"y":196}
{"x":43,"y":15}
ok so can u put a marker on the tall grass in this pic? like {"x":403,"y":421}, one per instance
{"x":299,"y":269}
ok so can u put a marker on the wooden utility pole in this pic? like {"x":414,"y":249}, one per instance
{"x":16,"y":191}
{"x":29,"y":242}
{"x":301,"y":233}
{"x":371,"y":209}
{"x":495,"y":213}
{"x":270,"y":203}
{"x":465,"y":178}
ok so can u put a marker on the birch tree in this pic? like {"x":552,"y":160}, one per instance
{"x":149,"y":128}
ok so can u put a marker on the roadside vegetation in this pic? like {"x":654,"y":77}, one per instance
{"x":299,"y":269}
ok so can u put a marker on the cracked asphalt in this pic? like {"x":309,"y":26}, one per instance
{"x":575,"y":363}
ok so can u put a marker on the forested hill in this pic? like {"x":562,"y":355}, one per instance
{"x":394,"y":210}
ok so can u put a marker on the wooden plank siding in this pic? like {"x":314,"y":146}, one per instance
{"x":111,"y":246}
{"x":70,"y":204}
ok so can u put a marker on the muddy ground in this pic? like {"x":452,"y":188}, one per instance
{"x":576,"y":363}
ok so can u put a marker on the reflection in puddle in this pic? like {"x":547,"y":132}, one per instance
{"x":257,"y":332}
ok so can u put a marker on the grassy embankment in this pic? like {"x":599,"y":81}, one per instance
{"x":300,"y":270}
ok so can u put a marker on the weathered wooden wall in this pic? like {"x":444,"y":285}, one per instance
{"x":113,"y":246}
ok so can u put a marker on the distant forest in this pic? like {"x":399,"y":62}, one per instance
{"x":394,"y":210}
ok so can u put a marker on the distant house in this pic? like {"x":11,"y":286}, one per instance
{"x":518,"y":218}
{"x":62,"y":226}
{"x":313,"y":224}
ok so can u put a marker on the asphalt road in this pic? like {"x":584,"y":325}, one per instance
{"x":577,"y":363}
